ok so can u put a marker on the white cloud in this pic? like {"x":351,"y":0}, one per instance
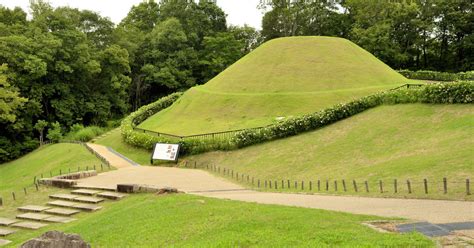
{"x":239,"y":12}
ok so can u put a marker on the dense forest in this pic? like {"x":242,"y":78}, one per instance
{"x":63,"y":67}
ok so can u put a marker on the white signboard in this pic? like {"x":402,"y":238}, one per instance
{"x":168,"y":152}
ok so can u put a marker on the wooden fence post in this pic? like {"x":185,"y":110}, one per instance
{"x":282,"y":184}
{"x":366,"y":186}
{"x":409,"y":186}
{"x":425,"y":182}
{"x":302,"y":185}
{"x":310,"y":186}
{"x":335,"y":185}
{"x":355,"y":185}
{"x":24,"y":190}
{"x":296,"y":184}
{"x":289,"y":185}
{"x":327,"y":185}
{"x":468,"y":188}
{"x":445,"y":185}
{"x":276,"y":184}
{"x":13,"y":194}
{"x":259,"y":183}
{"x":344,"y":185}
{"x":1,"y":201}
{"x":319,"y":185}
{"x":270,"y":182}
{"x":395,"y":186}
{"x":381,"y":186}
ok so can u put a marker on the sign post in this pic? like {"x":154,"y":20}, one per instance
{"x":166,"y":152}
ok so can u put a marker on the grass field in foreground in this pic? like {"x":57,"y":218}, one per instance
{"x":401,"y":142}
{"x":20,"y":173}
{"x":190,"y":221}
{"x":282,"y":78}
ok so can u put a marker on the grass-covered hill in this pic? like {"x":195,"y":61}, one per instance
{"x":282,"y":78}
{"x":412,"y":141}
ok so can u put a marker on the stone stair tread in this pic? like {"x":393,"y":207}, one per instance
{"x":33,"y":208}
{"x":89,"y":199}
{"x":33,"y":216}
{"x":60,"y":203}
{"x":87,"y":207}
{"x":68,"y":197}
{"x":4,"y":242}
{"x":85,"y":192}
{"x":112,"y":195}
{"x":29,"y":225}
{"x":59,"y":219}
{"x":6,"y":232}
{"x":62,"y":211}
{"x":7,"y":222}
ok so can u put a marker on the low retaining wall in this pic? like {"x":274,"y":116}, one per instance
{"x":67,"y":180}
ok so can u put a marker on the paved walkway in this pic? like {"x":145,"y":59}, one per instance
{"x":114,"y":159}
{"x":203,"y":183}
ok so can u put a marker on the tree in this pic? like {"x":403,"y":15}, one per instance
{"x":10,"y":100}
{"x":55,"y":133}
{"x":40,"y":126}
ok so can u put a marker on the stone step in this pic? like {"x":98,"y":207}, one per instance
{"x":87,"y":207}
{"x":4,"y":242}
{"x":75,"y":205}
{"x":95,"y":188}
{"x":59,"y":219}
{"x":85,"y":192}
{"x":7,"y":222}
{"x":6,"y":232}
{"x":33,"y":208}
{"x":29,"y":225}
{"x":62,"y":211}
{"x":67,"y":197}
{"x":88,"y":199}
{"x":33,"y":216}
{"x":111,"y":195}
{"x":59,"y":203}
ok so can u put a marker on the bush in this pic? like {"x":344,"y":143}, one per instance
{"x":80,"y":133}
{"x":54,"y":133}
{"x":460,"y":92}
{"x":438,"y":76}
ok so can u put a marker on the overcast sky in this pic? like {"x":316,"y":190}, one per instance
{"x":239,"y":12}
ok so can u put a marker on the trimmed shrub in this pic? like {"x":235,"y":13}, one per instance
{"x":442,"y":93}
{"x":438,"y":76}
{"x":84,"y":134}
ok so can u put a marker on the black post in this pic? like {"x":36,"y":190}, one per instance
{"x":1,"y":202}
{"x":276,"y":184}
{"x":445,"y":185}
{"x":381,"y":186}
{"x":302,"y":185}
{"x":409,"y":186}
{"x":366,"y":186}
{"x":425,"y":182}
{"x":355,"y":185}
{"x":335,"y":185}
{"x":13,"y":194}
{"x":289,"y":186}
{"x":319,"y":185}
{"x":270,"y":183}
{"x":310,"y":186}
{"x":282,"y":184}
{"x":327,"y":185}
{"x":468,"y":187}
{"x":395,"y":186}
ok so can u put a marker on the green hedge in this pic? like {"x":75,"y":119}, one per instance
{"x":460,"y":92}
{"x":438,"y":76}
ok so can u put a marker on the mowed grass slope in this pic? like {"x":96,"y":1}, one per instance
{"x":20,"y":173}
{"x":414,"y":141}
{"x":190,"y":221}
{"x":282,"y":78}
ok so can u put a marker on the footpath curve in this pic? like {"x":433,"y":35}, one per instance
{"x":202,"y":183}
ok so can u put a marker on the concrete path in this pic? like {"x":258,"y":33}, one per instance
{"x":114,"y":159}
{"x":203,"y":183}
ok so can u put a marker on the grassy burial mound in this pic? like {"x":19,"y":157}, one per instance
{"x":282,"y":78}
{"x":412,"y":141}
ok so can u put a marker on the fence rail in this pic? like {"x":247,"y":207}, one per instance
{"x":395,"y":186}
{"x":230,"y":133}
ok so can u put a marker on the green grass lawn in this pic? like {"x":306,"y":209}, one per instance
{"x":190,"y":221}
{"x":414,"y":142}
{"x":20,"y":173}
{"x":282,"y":78}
